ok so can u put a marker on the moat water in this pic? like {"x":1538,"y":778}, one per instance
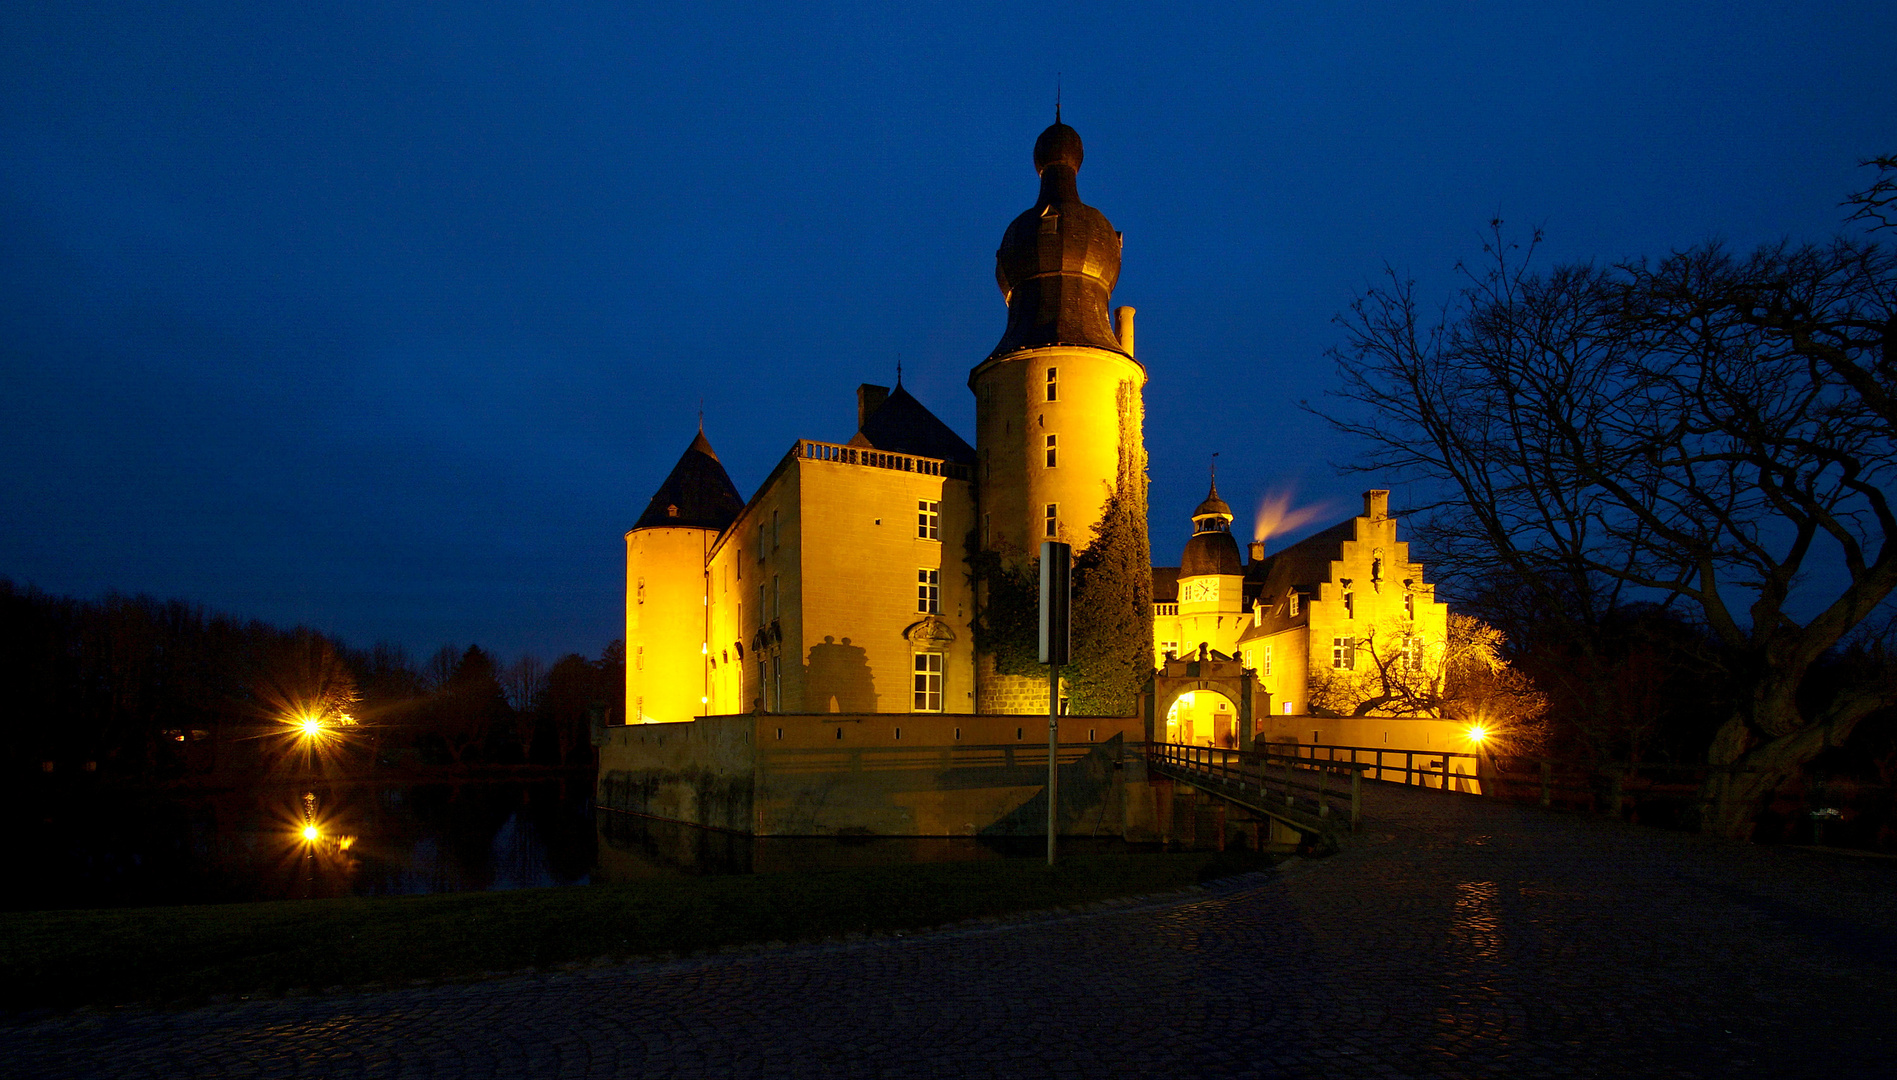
{"x":101,"y":848}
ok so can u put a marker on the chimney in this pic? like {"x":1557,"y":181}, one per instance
{"x":869,"y":398}
{"x":1257,"y":551}
{"x":1125,"y":329}
{"x":1376,"y":504}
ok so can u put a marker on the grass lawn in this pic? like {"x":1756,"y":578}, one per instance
{"x":62,"y":958}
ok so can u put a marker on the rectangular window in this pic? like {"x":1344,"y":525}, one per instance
{"x":1266,"y":669}
{"x":1412,"y":654}
{"x":928,"y":520}
{"x":1344,"y":653}
{"x":1053,"y":392}
{"x":1051,"y":521}
{"x":1350,"y":605}
{"x":777,"y":531}
{"x":1050,"y":450}
{"x":639,"y":659}
{"x":1409,"y":605}
{"x":763,"y":612}
{"x":777,"y":597}
{"x":987,"y":529}
{"x":763,"y":684}
{"x":1294,"y":605}
{"x":1169,"y":648}
{"x":929,"y":591}
{"x":928,"y":682}
{"x":761,"y":538}
{"x":777,"y":681}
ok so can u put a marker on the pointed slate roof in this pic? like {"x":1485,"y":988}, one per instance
{"x":901,"y":425}
{"x":698,"y":494}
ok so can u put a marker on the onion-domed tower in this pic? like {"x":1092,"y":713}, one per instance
{"x":1058,"y":408}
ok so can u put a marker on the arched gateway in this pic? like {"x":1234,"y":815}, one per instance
{"x":1206,"y":671}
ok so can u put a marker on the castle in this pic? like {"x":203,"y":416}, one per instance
{"x":847,"y":584}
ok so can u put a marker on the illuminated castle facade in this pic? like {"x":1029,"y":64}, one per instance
{"x":844,"y":585}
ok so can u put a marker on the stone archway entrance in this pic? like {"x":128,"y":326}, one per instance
{"x":1208,"y":673}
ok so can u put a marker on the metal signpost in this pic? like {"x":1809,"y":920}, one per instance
{"x":1057,"y":570}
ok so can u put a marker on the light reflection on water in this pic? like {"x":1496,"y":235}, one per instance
{"x":633,"y":848}
{"x":371,"y":840}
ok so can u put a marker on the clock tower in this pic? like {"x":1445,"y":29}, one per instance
{"x":1211,"y":580}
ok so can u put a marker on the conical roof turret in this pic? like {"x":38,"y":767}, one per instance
{"x":1060,"y":259}
{"x":1211,"y":549}
{"x":697,"y":494}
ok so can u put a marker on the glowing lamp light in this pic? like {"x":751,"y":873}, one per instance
{"x":310,"y":726}
{"x":310,"y":833}
{"x":1478,"y":733}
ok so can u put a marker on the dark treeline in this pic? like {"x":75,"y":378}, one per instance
{"x":137,"y":689}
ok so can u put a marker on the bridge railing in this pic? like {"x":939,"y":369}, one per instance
{"x":1444,"y":769}
{"x":1327,"y":790}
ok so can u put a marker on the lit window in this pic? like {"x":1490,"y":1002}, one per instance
{"x":1344,"y":653}
{"x":1412,"y":654}
{"x":1051,"y":521}
{"x":928,"y":591}
{"x":1053,"y":393}
{"x":928,"y":682}
{"x":928,"y":520}
{"x":1294,"y":605}
{"x":1050,"y":450}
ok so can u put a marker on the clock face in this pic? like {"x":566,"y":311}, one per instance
{"x":1203,"y":591}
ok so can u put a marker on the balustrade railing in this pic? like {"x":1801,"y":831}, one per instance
{"x":811,"y":450}
{"x":1443,"y":769}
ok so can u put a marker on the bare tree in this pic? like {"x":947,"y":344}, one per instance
{"x":524,"y":682}
{"x":1709,"y":430}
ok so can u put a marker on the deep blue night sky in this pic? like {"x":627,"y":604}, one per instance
{"x":387,"y":319}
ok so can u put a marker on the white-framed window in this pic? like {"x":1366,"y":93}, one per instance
{"x":777,"y":681}
{"x":1287,"y":708}
{"x":1412,"y":657}
{"x":1053,"y":384}
{"x":1169,"y":648}
{"x":1050,"y":447}
{"x":928,"y":519}
{"x":928,"y":591}
{"x":1050,"y":521}
{"x":1294,"y":605}
{"x":928,"y":682}
{"x":1344,"y":653}
{"x":1265,"y":669}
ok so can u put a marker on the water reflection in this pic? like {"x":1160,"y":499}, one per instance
{"x":308,"y":841}
{"x":633,"y":848}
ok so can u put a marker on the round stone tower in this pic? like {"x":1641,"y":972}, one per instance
{"x":1058,"y":409}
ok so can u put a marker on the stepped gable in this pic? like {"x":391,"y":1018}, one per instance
{"x":698,"y":493}
{"x":902,"y":425}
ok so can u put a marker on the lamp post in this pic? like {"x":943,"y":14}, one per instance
{"x":1057,"y":568}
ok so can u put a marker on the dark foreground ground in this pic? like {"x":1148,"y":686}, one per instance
{"x":1457,"y":938}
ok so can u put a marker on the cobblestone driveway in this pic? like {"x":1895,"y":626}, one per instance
{"x":1456,"y":939}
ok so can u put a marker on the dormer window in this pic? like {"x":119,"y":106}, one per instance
{"x":672,"y":510}
{"x":1293,"y":603}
